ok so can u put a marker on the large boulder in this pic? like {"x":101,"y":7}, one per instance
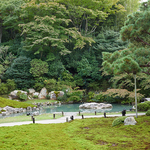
{"x":31,"y":91}
{"x":129,"y":121}
{"x":36,"y":94}
{"x":95,"y":106}
{"x":43,"y":93}
{"x":13,"y":94}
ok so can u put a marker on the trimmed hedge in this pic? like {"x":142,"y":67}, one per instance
{"x":143,"y":106}
{"x":119,"y":120}
{"x":148,"y":113}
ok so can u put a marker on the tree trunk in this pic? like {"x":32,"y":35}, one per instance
{"x":135,"y":95}
{"x":0,"y":31}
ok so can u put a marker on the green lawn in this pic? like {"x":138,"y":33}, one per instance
{"x":39,"y":101}
{"x":28,"y":118}
{"x":107,"y":113}
{"x":81,"y":134}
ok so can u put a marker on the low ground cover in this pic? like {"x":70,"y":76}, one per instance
{"x":12,"y":103}
{"x":28,"y":118}
{"x":108,"y":113}
{"x":39,"y":101}
{"x":84,"y":134}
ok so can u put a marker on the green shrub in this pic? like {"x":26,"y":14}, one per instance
{"x":62,"y":98}
{"x":11,"y":85}
{"x":23,"y":97}
{"x":38,"y":86}
{"x":56,"y":93}
{"x":3,"y":89}
{"x":119,"y":120}
{"x":35,"y":96}
{"x":100,"y":98}
{"x":47,"y":96}
{"x":19,"y":93}
{"x":147,"y":102}
{"x":148,"y":113}
{"x":143,"y":106}
{"x":74,"y":99}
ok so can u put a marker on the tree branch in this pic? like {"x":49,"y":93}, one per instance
{"x":138,"y":39}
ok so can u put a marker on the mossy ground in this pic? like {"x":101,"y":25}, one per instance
{"x":83,"y":134}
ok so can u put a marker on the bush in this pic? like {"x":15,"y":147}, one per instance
{"x":100,"y":98}
{"x":11,"y":85}
{"x":74,"y":99}
{"x":47,"y":96}
{"x":38,"y":86}
{"x":143,"y":106}
{"x":119,"y":120}
{"x":148,"y":113}
{"x":3,"y":89}
{"x":35,"y":96}
{"x":23,"y":97}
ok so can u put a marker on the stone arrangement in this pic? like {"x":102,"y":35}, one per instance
{"x":95,"y":106}
{"x":32,"y":93}
{"x":10,"y":110}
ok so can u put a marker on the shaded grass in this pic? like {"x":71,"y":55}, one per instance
{"x":28,"y":118}
{"x":84,"y":134}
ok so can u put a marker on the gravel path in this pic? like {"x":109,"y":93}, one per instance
{"x":63,"y":119}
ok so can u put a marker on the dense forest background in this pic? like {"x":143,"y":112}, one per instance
{"x":60,"y":43}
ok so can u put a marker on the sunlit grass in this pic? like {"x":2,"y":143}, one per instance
{"x":39,"y":101}
{"x":81,"y":134}
{"x":28,"y":118}
{"x":107,"y":113}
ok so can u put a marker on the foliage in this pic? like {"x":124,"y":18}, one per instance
{"x":118,"y":121}
{"x":56,"y":93}
{"x":10,"y":84}
{"x":56,"y":68}
{"x":143,"y":106}
{"x":87,"y":14}
{"x":136,"y":28}
{"x":50,"y":84}
{"x":74,"y":99}
{"x":54,"y":19}
{"x":19,"y":71}
{"x":35,"y":96}
{"x":23,"y":97}
{"x":91,"y":95}
{"x":148,"y":113}
{"x":121,"y":95}
{"x":6,"y":59}
{"x":99,"y":97}
{"x":3,"y":89}
{"x":47,"y":96}
{"x":38,"y":68}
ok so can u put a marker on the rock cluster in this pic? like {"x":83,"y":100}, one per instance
{"x":95,"y":106}
{"x":32,"y":93}
{"x":10,"y":110}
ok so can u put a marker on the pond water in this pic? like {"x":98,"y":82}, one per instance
{"x":75,"y":108}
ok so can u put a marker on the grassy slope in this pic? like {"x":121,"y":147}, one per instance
{"x":84,"y":134}
{"x":12,"y":103}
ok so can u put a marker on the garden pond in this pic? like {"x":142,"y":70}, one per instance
{"x":75,"y":108}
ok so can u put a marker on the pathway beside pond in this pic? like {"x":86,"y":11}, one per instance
{"x":63,"y":119}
